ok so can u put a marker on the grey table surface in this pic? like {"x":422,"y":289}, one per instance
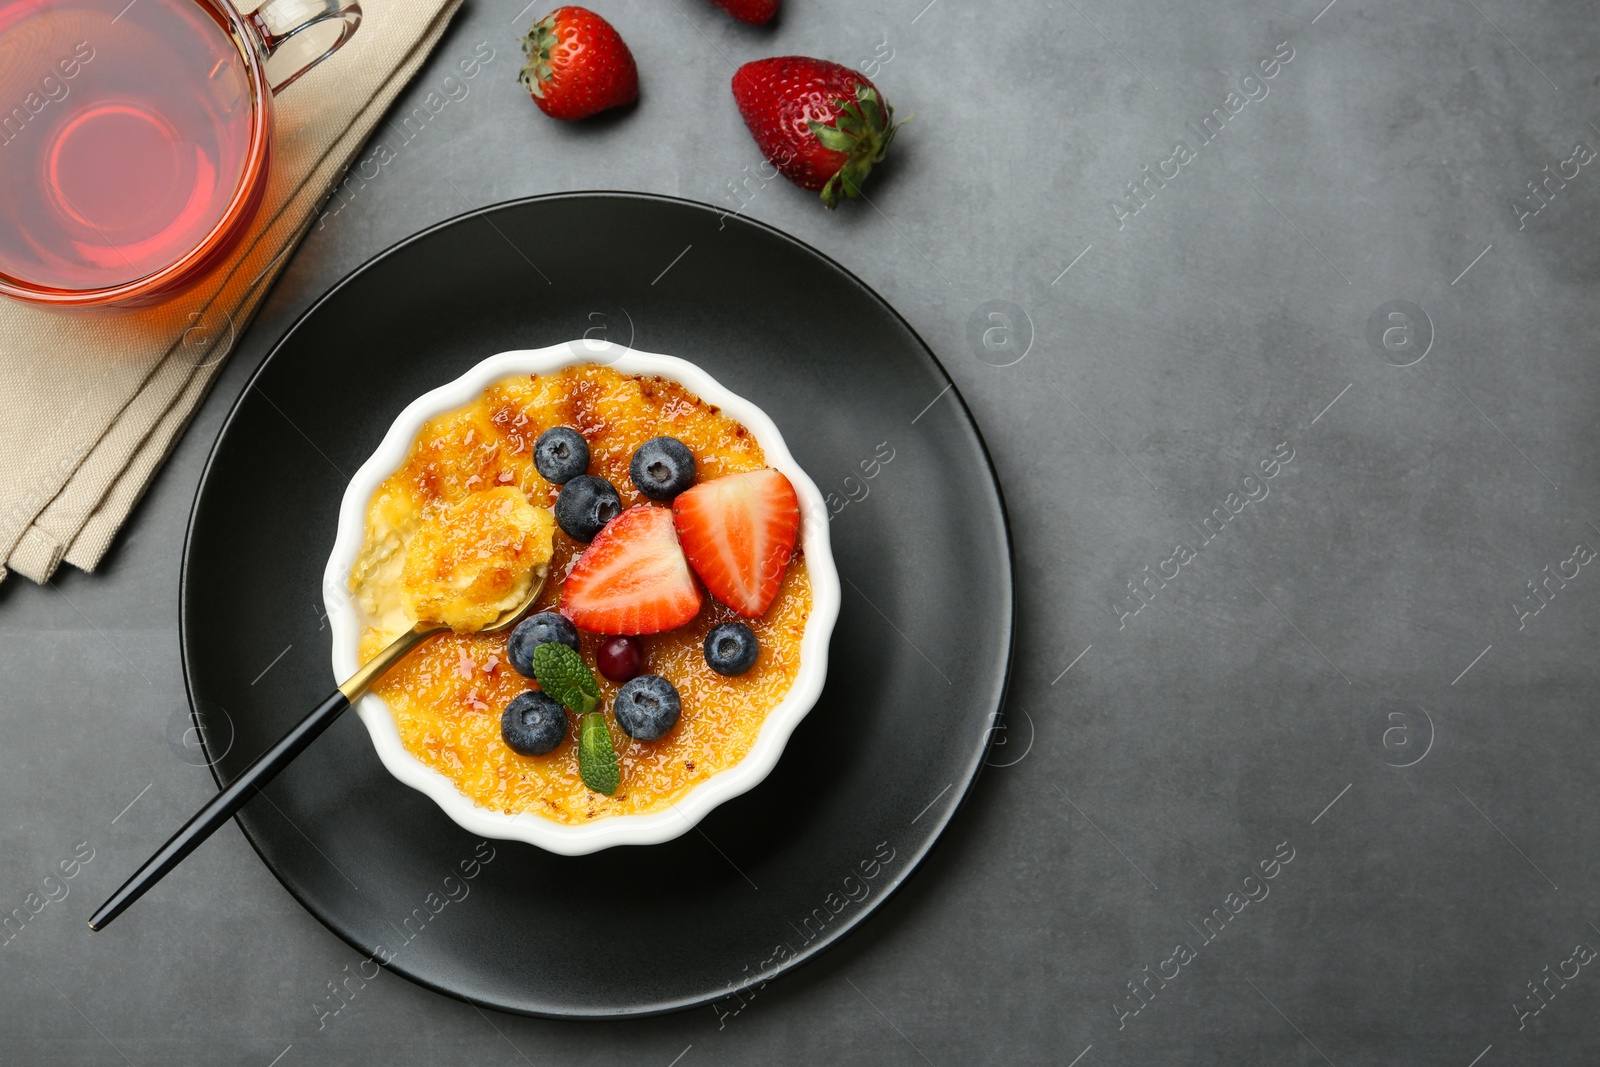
{"x":1356,"y":669}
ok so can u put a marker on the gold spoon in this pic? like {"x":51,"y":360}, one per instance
{"x":222,"y":807}
{"x":376,"y":667}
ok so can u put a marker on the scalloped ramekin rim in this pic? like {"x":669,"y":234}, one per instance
{"x":345,"y":616}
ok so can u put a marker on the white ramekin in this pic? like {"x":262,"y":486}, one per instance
{"x":346,"y":617}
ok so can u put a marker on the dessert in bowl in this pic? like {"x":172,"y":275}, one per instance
{"x":681,"y":633}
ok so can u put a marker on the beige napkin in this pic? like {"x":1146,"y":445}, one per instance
{"x":91,"y":402}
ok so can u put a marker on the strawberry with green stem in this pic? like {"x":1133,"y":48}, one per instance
{"x":578,"y":65}
{"x":822,"y":125}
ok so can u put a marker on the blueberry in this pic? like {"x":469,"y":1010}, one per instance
{"x":732,"y":648}
{"x":585,"y":505}
{"x":533,"y":723}
{"x":561,"y":454}
{"x":647,"y":707}
{"x":662,"y":468}
{"x":534,"y":631}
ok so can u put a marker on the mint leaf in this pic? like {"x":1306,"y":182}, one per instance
{"x":597,"y":760}
{"x":562,"y":673}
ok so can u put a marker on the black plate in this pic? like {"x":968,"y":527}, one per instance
{"x":919,"y":661}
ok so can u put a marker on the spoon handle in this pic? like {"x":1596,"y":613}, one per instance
{"x":220,"y":808}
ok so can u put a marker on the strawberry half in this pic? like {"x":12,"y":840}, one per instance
{"x":578,"y":65}
{"x":632,"y":579}
{"x":821,"y":124}
{"x":739,"y":532}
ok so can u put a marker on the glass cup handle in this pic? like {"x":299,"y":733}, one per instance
{"x":279,"y":23}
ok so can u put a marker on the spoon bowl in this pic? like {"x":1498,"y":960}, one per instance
{"x":392,"y":653}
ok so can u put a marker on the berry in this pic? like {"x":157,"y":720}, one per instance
{"x":647,"y":707}
{"x":738,"y":532}
{"x":662,"y":468}
{"x":534,"y":631}
{"x":822,"y":125}
{"x":561,"y":454}
{"x":578,"y":65}
{"x":633,"y":579}
{"x":620,"y":658}
{"x":754,"y":12}
{"x":533,"y":724}
{"x":585,"y":505}
{"x":732,"y":648}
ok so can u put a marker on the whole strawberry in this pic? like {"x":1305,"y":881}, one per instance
{"x":822,"y":125}
{"x":577,"y":65}
{"x":755,"y":12}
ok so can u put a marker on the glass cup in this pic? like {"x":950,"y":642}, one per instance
{"x":135,"y":136}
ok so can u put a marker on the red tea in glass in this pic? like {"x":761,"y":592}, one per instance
{"x":134,"y":138}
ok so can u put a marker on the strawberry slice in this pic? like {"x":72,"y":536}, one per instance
{"x":632,"y":579}
{"x":739,"y":532}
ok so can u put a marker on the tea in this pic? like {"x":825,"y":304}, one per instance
{"x":125,"y":134}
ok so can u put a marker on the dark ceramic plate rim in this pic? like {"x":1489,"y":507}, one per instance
{"x":937,"y":828}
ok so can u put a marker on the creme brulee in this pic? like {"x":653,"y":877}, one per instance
{"x":447,"y":696}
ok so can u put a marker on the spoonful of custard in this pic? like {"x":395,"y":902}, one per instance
{"x":474,"y":566}
{"x":475,"y":559}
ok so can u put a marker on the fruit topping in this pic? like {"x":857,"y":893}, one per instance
{"x":633,"y":579}
{"x":597,"y":758}
{"x":647,"y":707}
{"x":732,"y":648}
{"x":537,"y":630}
{"x":585,"y":505}
{"x":738,"y":532}
{"x":662,"y":468}
{"x":620,"y":658}
{"x":561,"y":454}
{"x":533,"y":724}
{"x":578,"y":65}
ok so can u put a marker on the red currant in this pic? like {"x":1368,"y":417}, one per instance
{"x":621,"y":658}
